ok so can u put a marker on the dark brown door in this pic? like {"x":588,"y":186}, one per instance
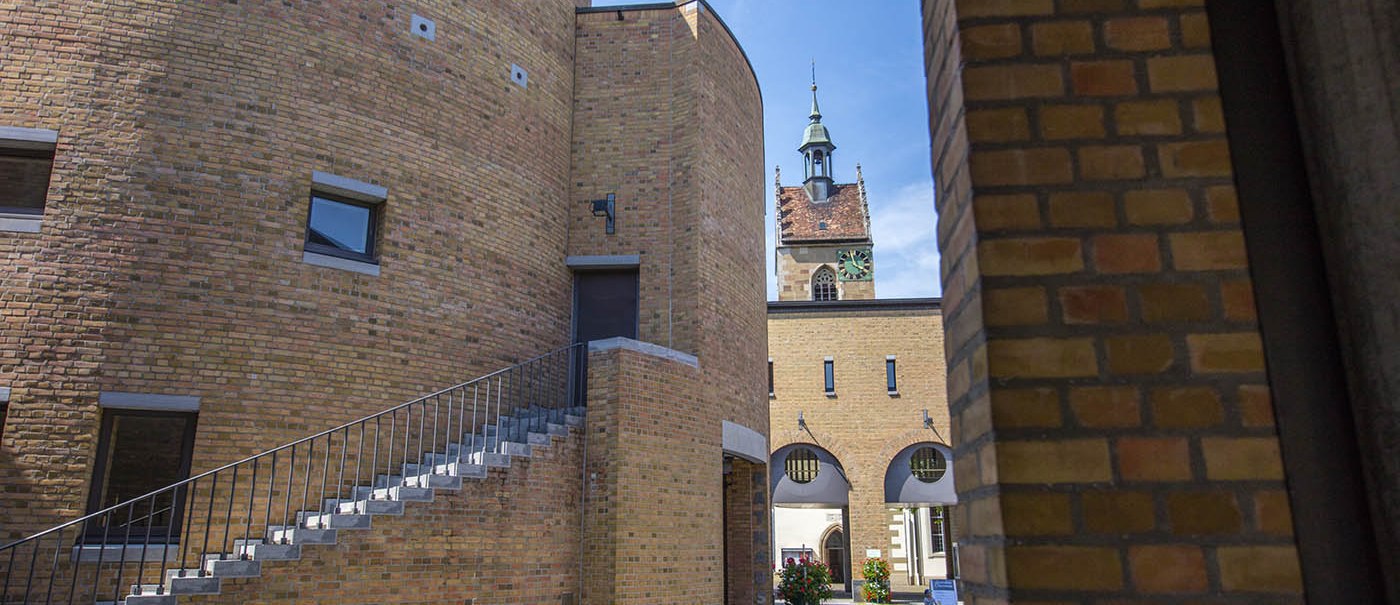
{"x":605,"y":305}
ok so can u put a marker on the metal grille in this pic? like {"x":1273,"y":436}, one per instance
{"x":802,"y":465}
{"x":928,"y":464}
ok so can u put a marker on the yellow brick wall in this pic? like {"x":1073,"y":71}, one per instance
{"x":170,"y":256}
{"x":862,"y":425}
{"x":1109,"y":400}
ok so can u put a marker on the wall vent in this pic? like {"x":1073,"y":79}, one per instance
{"x":519,"y":76}
{"x":423,"y":27}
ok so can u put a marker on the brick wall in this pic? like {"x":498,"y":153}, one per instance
{"x":654,"y":526}
{"x":512,"y":537}
{"x":690,"y":199}
{"x":863,"y":425}
{"x":170,"y":256}
{"x":1115,"y":437}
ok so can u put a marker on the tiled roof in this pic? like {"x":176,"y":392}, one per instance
{"x":800,"y":219}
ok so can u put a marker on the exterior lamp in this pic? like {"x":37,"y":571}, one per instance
{"x":607,"y":207}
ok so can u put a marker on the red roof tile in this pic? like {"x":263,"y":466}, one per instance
{"x":801,"y":219}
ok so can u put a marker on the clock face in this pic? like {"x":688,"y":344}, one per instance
{"x":854,"y":264}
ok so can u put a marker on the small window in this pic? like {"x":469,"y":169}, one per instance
{"x":139,"y":452}
{"x":24,"y":179}
{"x":824,"y":284}
{"x":928,"y":464}
{"x":770,"y":377}
{"x":829,"y":374}
{"x":343,"y":228}
{"x":4,"y":413}
{"x":890,"y":384}
{"x":802,"y":465}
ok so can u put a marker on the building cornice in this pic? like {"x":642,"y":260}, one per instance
{"x":879,"y":304}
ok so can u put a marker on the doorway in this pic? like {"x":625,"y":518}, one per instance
{"x":834,"y":547}
{"x":605,"y":304}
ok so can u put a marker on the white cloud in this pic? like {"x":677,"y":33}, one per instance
{"x":906,"y":248}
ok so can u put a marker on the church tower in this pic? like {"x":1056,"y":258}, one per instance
{"x":824,"y":245}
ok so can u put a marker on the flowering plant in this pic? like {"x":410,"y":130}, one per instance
{"x":877,"y":580}
{"x":804,"y":581}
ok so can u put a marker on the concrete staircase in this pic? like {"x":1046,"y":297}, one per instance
{"x":514,"y":436}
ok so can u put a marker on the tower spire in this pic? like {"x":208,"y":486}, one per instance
{"x":816,"y":150}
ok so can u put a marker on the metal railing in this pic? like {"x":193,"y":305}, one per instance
{"x":222,"y":514}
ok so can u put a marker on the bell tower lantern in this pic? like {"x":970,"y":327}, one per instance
{"x":816,"y":150}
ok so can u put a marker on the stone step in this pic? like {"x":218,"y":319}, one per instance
{"x":274,"y":552}
{"x":318,"y":520}
{"x":300,"y":535}
{"x":232,"y":567}
{"x":371,"y":507}
{"x":146,"y":599}
{"x":447,"y":482}
{"x":176,"y":584}
{"x":397,"y":493}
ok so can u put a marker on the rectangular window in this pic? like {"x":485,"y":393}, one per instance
{"x":26,"y":162}
{"x":139,"y":452}
{"x":829,"y":372}
{"x":342,"y":228}
{"x":770,"y":377}
{"x":890,"y":383}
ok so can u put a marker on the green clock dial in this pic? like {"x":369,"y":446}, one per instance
{"x":854,"y":264}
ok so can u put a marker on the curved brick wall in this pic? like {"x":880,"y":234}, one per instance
{"x":170,"y":255}
{"x":668,"y":116}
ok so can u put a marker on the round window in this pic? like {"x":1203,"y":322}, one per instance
{"x":802,"y":465}
{"x":928,"y":464}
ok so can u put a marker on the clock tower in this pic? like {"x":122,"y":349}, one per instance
{"x":824,"y":246}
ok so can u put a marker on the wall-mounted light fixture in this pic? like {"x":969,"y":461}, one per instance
{"x":928,"y":424}
{"x":801,"y":422}
{"x":607,"y":207}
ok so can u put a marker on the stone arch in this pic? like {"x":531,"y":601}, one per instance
{"x":827,"y":488}
{"x":903,"y":488}
{"x":824,"y":284}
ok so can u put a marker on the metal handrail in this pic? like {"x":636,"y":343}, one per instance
{"x":545,"y":383}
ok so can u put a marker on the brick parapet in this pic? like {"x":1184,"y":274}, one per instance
{"x":654,"y":513}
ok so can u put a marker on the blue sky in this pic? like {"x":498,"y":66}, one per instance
{"x":870,"y":76}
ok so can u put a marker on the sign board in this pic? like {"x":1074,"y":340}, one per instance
{"x":945,"y":592}
{"x":872,"y":553}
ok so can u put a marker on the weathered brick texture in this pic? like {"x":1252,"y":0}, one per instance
{"x":1107,"y":384}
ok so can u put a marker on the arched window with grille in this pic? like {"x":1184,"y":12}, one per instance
{"x":824,"y":284}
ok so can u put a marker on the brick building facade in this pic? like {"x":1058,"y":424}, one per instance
{"x":262,"y":221}
{"x":857,"y":406}
{"x":1169,"y":367}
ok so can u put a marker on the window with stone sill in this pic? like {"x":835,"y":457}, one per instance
{"x":138,"y":452}
{"x":24,"y":180}
{"x":342,"y":227}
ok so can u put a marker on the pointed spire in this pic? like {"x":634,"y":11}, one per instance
{"x":816,"y":115}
